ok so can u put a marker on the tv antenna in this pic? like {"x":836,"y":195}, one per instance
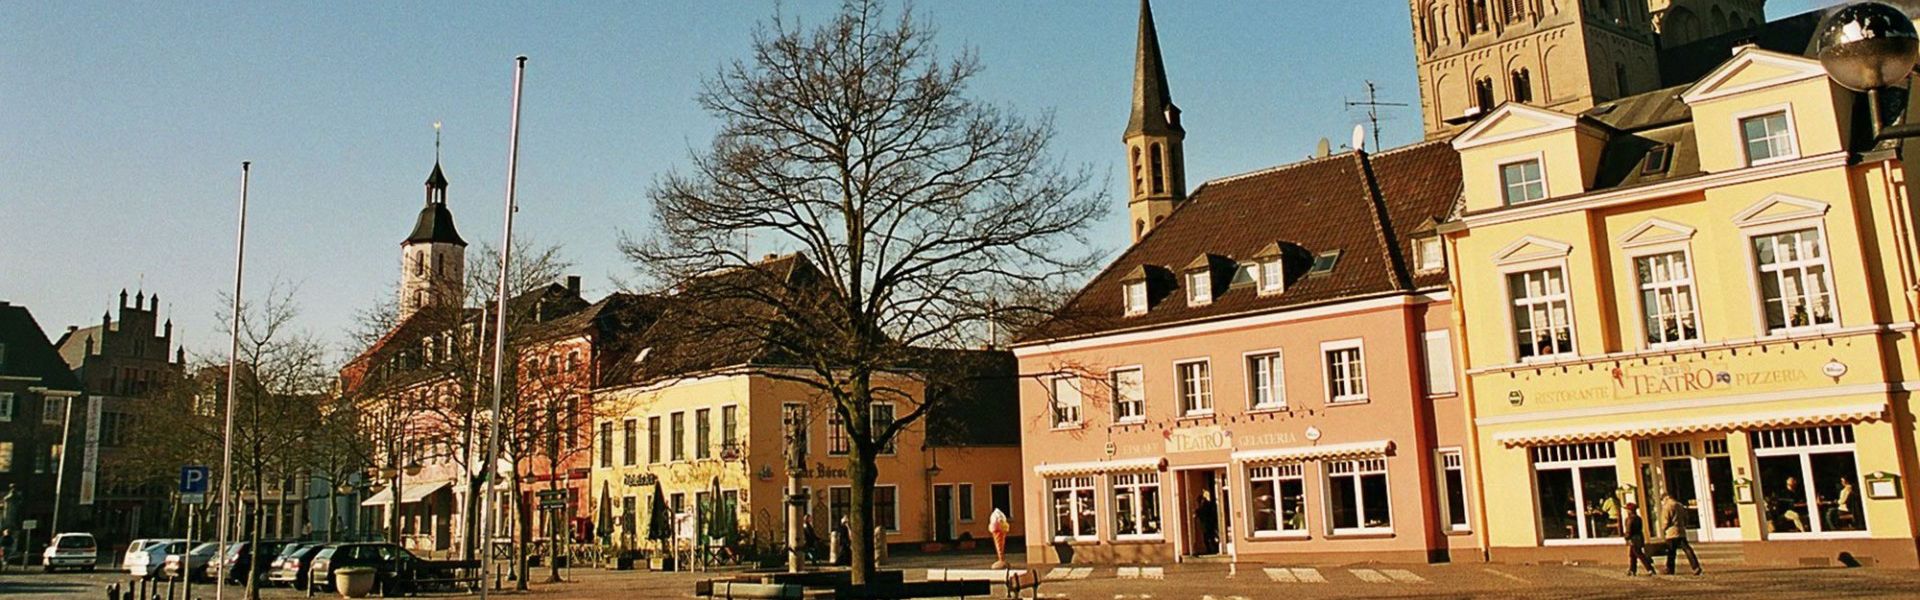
{"x":1373,"y":104}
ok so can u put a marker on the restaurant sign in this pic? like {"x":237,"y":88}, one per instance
{"x":639,"y":479}
{"x":1682,"y":378}
{"x":1198,"y":439}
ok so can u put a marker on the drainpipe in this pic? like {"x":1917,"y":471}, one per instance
{"x":1469,"y":401}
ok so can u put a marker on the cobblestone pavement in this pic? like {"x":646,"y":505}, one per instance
{"x":1210,"y":582}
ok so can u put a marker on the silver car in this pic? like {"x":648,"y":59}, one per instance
{"x":145,"y":556}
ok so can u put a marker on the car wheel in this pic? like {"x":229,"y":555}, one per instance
{"x":89,"y":568}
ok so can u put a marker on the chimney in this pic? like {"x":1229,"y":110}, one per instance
{"x":573,"y":285}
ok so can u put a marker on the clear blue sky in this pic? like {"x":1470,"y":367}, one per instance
{"x":122,"y":125}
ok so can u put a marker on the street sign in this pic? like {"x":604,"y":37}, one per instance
{"x":553,"y":503}
{"x":552,"y":494}
{"x":30,"y":524}
{"x":194,"y":481}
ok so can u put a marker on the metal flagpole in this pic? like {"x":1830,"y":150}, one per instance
{"x":233,"y":363}
{"x":499,"y":330}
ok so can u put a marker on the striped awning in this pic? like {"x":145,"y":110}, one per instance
{"x":1320,"y":452}
{"x":1819,"y":415}
{"x":1097,"y":466}
{"x":413,"y":492}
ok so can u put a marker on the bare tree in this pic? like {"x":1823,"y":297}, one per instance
{"x":930,"y":216}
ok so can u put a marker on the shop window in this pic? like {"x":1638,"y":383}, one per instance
{"x":1266,"y":381}
{"x":1523,"y":181}
{"x":1453,"y":490}
{"x":1136,"y":505}
{"x":1357,"y":496}
{"x":1196,"y":388}
{"x":1796,"y":289}
{"x":1726,"y":509}
{"x":1073,"y":513}
{"x":1542,"y":321}
{"x":1767,"y":138}
{"x":1129,"y":395}
{"x":1667,"y":304}
{"x":966,"y":502}
{"x":1066,"y":402}
{"x":1279,"y":500}
{"x":1809,"y":481}
{"x":1577,"y":484}
{"x":1346,"y":371}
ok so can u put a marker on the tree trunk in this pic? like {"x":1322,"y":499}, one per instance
{"x":520,"y":534}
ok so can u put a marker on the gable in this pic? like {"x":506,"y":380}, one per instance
{"x":1530,"y":248}
{"x":1655,"y":231}
{"x":1779,"y":207}
{"x":1513,"y":121}
{"x":1752,"y":69}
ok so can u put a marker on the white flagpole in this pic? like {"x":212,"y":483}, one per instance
{"x":233,"y":361}
{"x":492,"y":467}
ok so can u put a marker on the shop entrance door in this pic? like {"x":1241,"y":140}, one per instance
{"x":942,"y":513}
{"x":1206,"y":530}
{"x":1697,"y":472}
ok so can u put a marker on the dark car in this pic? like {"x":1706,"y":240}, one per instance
{"x":394,"y":567}
{"x":242,"y":559}
{"x":291,"y":567}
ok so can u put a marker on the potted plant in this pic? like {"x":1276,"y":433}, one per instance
{"x":353,"y":582}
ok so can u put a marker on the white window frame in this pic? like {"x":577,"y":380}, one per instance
{"x":1819,"y":227}
{"x":1135,"y":483}
{"x":1451,"y":377}
{"x":1421,"y":245}
{"x":1199,"y":287}
{"x":48,"y":414}
{"x":1357,"y":345}
{"x":1054,"y":397}
{"x":893,"y":527}
{"x":1440,"y":456}
{"x":1792,"y":134}
{"x":1276,"y":379}
{"x":1119,"y":399}
{"x":875,"y":426}
{"x":1513,"y":326}
{"x":1073,"y":485}
{"x":1133,"y":295}
{"x":1500,"y":173}
{"x":1361,"y":467}
{"x":1604,"y":458}
{"x":1272,"y":275}
{"x":1805,"y":454}
{"x":1691,"y":282}
{"x":963,"y":502}
{"x":1278,"y":472}
{"x":1181,"y":388}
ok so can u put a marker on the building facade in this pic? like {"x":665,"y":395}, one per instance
{"x":127,"y":359}
{"x":39,"y":399}
{"x":1699,"y":293}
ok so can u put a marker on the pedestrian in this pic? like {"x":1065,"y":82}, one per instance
{"x":1634,"y":529}
{"x":6,"y":543}
{"x":1207,"y":515}
{"x":1673,"y":525}
{"x":843,"y":546}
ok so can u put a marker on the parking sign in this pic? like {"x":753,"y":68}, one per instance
{"x":194,"y":480}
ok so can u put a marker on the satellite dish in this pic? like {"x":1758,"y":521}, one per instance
{"x":1324,"y":149}
{"x":1359,"y":137}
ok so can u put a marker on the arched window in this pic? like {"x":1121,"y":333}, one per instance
{"x":1477,"y":16}
{"x":419,"y":298}
{"x":553,"y":364}
{"x":1522,"y":85}
{"x":1139,"y":228}
{"x":1159,"y":174}
{"x":1137,"y":182}
{"x":573,"y":361}
{"x":1483,"y":93}
{"x":420,"y":262}
{"x":1514,"y":11}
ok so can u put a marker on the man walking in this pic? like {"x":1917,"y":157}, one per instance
{"x":1673,"y":524}
{"x":1634,"y":529}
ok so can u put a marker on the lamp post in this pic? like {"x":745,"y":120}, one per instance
{"x":1869,"y":47}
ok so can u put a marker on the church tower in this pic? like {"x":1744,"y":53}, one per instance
{"x":433,"y":258}
{"x":1157,"y":174}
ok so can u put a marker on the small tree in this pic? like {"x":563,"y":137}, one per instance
{"x":928,"y":214}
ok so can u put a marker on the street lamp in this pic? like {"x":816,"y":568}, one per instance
{"x":1868,"y":47}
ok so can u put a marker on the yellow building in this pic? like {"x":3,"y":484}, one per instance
{"x":1706,"y":292}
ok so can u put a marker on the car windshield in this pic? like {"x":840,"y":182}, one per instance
{"x":176,"y":547}
{"x":205,"y":549}
{"x":76,"y":541}
{"x":293,"y":549}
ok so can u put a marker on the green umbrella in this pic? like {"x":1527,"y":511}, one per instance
{"x":659,"y":522}
{"x":719,"y":516}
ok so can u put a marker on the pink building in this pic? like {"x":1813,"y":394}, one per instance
{"x":1266,"y":374}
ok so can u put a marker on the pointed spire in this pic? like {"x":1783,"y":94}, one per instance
{"x":437,"y":180}
{"x":1153,"y":108}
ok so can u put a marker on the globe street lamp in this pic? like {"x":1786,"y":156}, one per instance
{"x":1868,"y":47}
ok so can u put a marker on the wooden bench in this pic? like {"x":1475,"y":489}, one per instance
{"x":1023,"y":580}
{"x":915,"y":589}
{"x":724,"y":588}
{"x":453,"y":574}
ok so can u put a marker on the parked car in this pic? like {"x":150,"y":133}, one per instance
{"x":242,"y":559}
{"x":192,"y":564}
{"x":291,"y":567}
{"x":394,"y":567}
{"x":76,"y":550}
{"x":145,"y":557}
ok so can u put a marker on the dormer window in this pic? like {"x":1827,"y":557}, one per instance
{"x":1273,"y":275}
{"x":1658,"y":159}
{"x":1136,"y":297}
{"x":1428,"y":255}
{"x":1324,"y":262}
{"x":1199,"y":287}
{"x":1768,"y":138}
{"x":1523,"y":181}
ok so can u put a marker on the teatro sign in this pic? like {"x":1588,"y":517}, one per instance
{"x":1198,"y":439}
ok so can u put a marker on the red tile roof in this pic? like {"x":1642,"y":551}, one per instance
{"x":1369,"y":208}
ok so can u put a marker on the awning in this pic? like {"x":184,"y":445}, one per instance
{"x":1820,"y":415}
{"x":412,"y":493}
{"x":1327,"y":451}
{"x":1098,"y":466}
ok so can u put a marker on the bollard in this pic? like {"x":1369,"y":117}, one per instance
{"x":169,"y":588}
{"x":833,"y":547}
{"x":113,"y":591}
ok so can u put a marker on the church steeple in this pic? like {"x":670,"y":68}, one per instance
{"x":433,"y":257}
{"x":1156,"y":162}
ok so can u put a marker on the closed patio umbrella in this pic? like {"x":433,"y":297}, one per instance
{"x":659,"y":521}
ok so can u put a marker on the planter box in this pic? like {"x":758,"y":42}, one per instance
{"x":660,"y":563}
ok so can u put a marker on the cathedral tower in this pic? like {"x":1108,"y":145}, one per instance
{"x":1157,"y":175}
{"x":433,"y":258}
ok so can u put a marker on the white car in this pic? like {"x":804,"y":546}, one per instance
{"x":145,"y":556}
{"x":75,"y":550}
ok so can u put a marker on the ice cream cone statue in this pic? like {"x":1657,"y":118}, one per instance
{"x":998,"y":526}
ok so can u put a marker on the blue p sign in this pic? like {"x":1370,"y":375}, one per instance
{"x":194,"y":478}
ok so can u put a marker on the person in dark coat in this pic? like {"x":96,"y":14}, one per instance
{"x":1207,"y":515}
{"x":1634,"y":529}
{"x":1674,"y":525}
{"x":845,"y":543}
